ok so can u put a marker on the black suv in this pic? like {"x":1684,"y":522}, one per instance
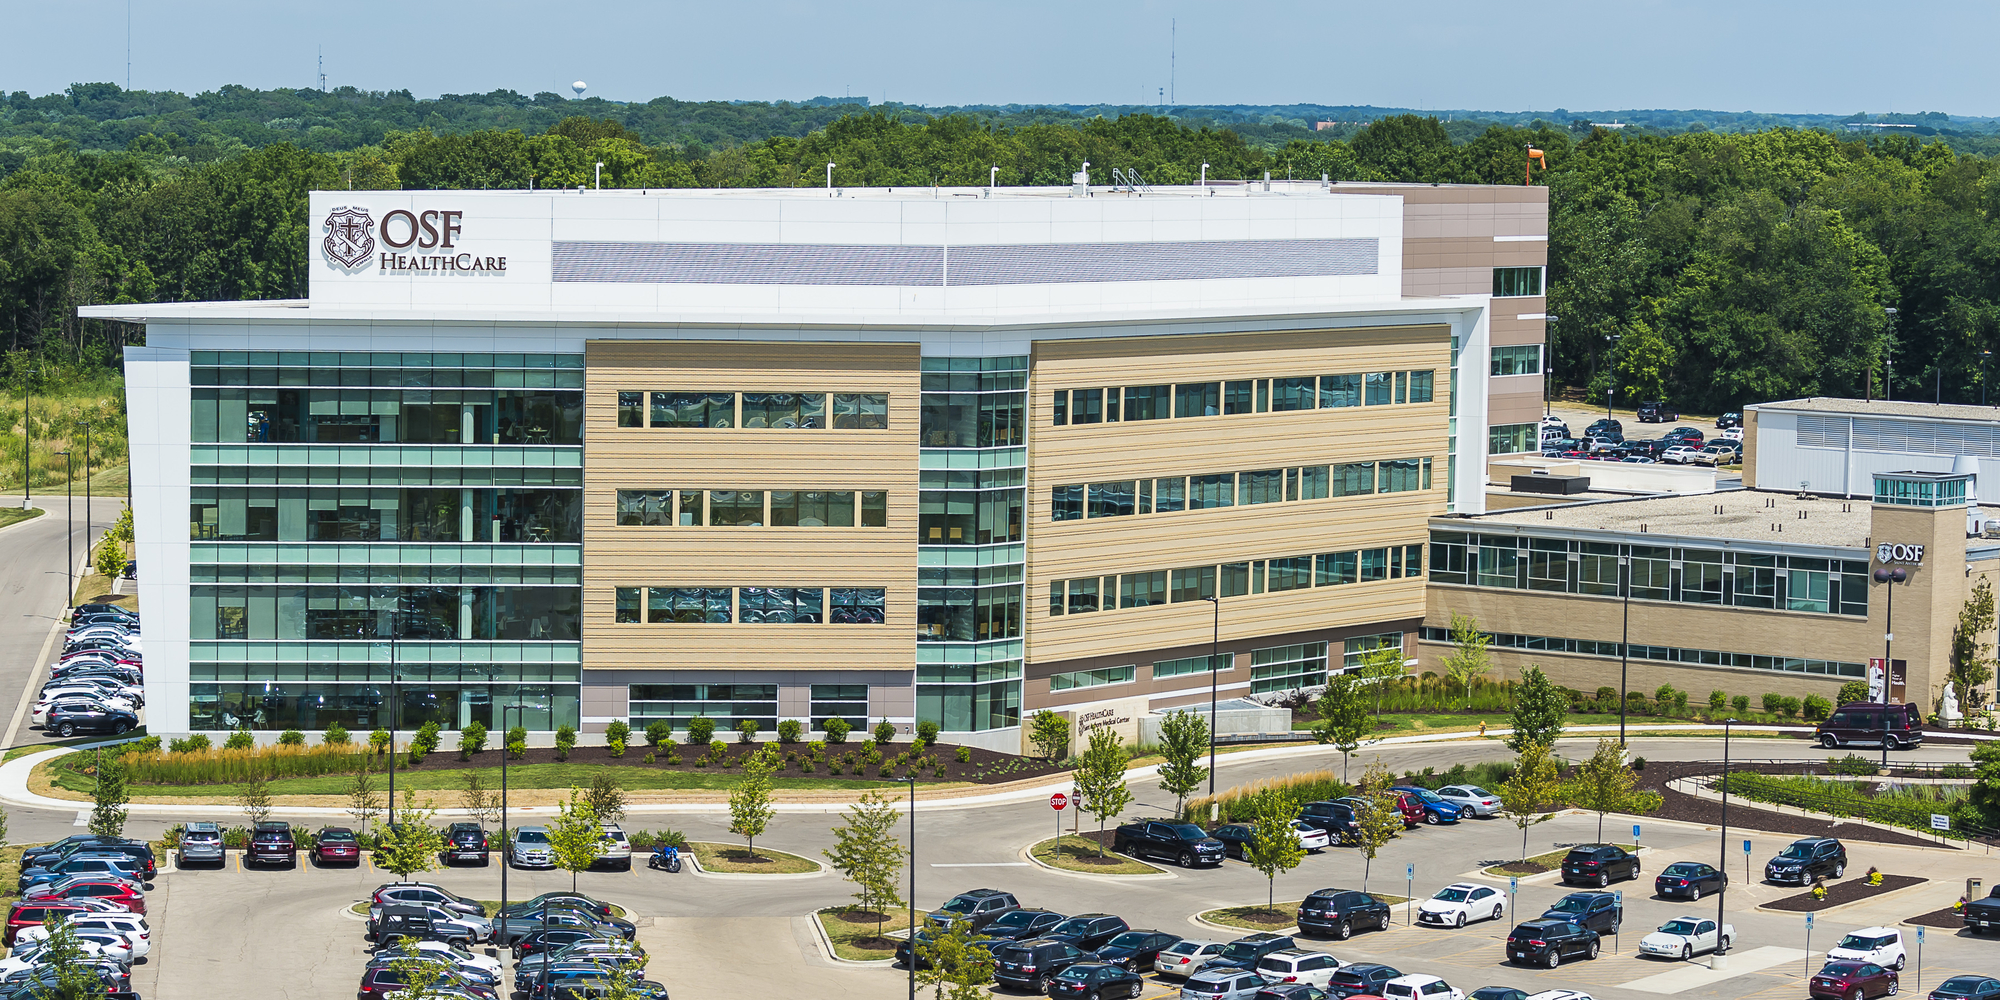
{"x":272,"y":843}
{"x":1359,"y":979}
{"x":1018,"y":925}
{"x":1805,"y":860}
{"x":465,"y":842}
{"x":1136,"y":950}
{"x":1548,"y":942}
{"x":1029,"y":964}
{"x":1339,"y":911}
{"x":1336,"y":818}
{"x":1245,"y":952}
{"x":1602,"y":425}
{"x":1599,"y":911}
{"x":981,"y":906}
{"x":1598,"y":864}
{"x":1089,"y":931}
{"x":1655,"y":411}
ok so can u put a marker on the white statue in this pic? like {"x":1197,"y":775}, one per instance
{"x":1949,"y":713}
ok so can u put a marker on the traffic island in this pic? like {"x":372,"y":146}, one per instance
{"x":1539,"y":863}
{"x":1949,"y":917}
{"x":1283,"y":915}
{"x":858,"y":935}
{"x":1853,"y":890}
{"x":732,"y":859}
{"x":1086,"y":854}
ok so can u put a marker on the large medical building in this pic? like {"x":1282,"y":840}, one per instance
{"x":925,"y":455}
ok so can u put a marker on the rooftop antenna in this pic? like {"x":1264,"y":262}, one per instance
{"x":579,"y":86}
{"x":128,"y":44}
{"x":322,"y":69}
{"x":1173,"y":59}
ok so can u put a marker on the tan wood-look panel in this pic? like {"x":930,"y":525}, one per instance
{"x":757,"y":459}
{"x":1232,"y":443}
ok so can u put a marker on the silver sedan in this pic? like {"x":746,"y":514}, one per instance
{"x":1472,"y":799}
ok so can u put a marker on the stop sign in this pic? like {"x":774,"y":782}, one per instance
{"x":1058,"y":801}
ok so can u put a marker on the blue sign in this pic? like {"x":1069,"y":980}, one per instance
{"x":1746,"y":847}
{"x":1513,"y":885}
{"x":1920,"y":935}
{"x":1409,"y":871}
{"x":1635,"y":832}
{"x":1809,"y":921}
{"x":1619,"y":896}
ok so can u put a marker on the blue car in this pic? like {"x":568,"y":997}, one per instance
{"x":1436,"y":809}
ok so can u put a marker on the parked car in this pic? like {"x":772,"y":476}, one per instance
{"x":531,"y":848}
{"x":1807,"y":859}
{"x":1135,"y":950}
{"x":571,"y":900}
{"x":1291,"y":991}
{"x":1336,"y":818}
{"x":1870,"y":723}
{"x":426,"y":894}
{"x":1548,"y":942}
{"x":1089,"y":931}
{"x":1471,"y":800}
{"x":1297,"y":965}
{"x":1718,"y":453}
{"x":1967,"y":988}
{"x":1222,"y":984}
{"x":1690,"y":436}
{"x":1360,"y":979}
{"x":617,"y":852}
{"x":1731,"y":434}
{"x":1598,"y":864}
{"x":1690,"y":879}
{"x":1022,"y":924}
{"x":271,"y":843}
{"x":981,"y":906}
{"x":1419,"y":988}
{"x":1679,"y":454}
{"x":1605,"y":424}
{"x":382,"y":981}
{"x":1853,"y":981}
{"x":1096,"y":981}
{"x":427,"y":922}
{"x":335,"y":844}
{"x":1880,"y":945}
{"x":32,"y":913}
{"x":1186,"y":957}
{"x":1686,"y":937}
{"x":1498,"y":993}
{"x":36,"y":856}
{"x":71,"y":716}
{"x":1599,"y":911}
{"x":83,"y":863}
{"x":1460,"y":902}
{"x":1245,"y":952}
{"x":542,"y":941}
{"x":1436,"y":809}
{"x":466,"y":842}
{"x":1184,"y":843}
{"x":1983,"y":914}
{"x":513,"y":926}
{"x":1731,"y":419}
{"x":1339,"y":912}
{"x":1029,"y":965}
{"x":1654,"y":411}
{"x":138,"y":934}
{"x":115,"y":891}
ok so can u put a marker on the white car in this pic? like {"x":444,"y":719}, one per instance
{"x":461,"y":956}
{"x":617,"y":851}
{"x":1686,"y":937}
{"x":1311,"y":838}
{"x":1730,"y":434}
{"x":1186,"y":957}
{"x":1460,"y":902}
{"x":1880,"y":945}
{"x":1559,"y":995}
{"x":1297,"y":965}
{"x":19,"y":958}
{"x":1419,"y":988}
{"x":137,"y":932}
{"x":1679,"y":454}
{"x":1471,"y":800}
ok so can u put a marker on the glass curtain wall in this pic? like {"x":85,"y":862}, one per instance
{"x":972,"y":544}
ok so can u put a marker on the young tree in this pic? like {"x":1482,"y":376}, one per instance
{"x":576,"y":837}
{"x":1985,"y":791}
{"x":1274,"y":846}
{"x":408,"y":843}
{"x":421,"y":978}
{"x":1049,"y":733}
{"x":61,"y":953}
{"x":363,"y":801}
{"x":255,"y":799}
{"x":1540,"y":708}
{"x":1605,"y":784}
{"x":1183,"y":738}
{"x":955,"y":962}
{"x":866,"y":852}
{"x":1343,"y":718}
{"x":482,"y":802}
{"x":606,"y":797}
{"x":1468,"y":660}
{"x":1379,"y":666}
{"x":1100,"y":780}
{"x":1382,"y":820}
{"x":750,"y":801}
{"x":1533,"y":791}
{"x":1971,"y":662}
{"x":107,"y":817}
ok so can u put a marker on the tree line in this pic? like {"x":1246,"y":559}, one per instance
{"x":1705,"y":268}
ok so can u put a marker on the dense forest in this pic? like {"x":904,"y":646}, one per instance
{"x":1708,"y":266}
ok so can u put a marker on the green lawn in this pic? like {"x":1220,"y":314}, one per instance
{"x":1082,"y":854}
{"x":1411,"y":723}
{"x":15,"y":515}
{"x":735,"y":859}
{"x":637,"y":777}
{"x":856,"y":940}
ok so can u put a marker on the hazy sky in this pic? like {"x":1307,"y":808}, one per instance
{"x":1830,"y":56}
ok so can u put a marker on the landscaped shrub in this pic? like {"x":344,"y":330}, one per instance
{"x":471,"y":740}
{"x":837,"y":730}
{"x":1852,"y":691}
{"x":1853,"y":765}
{"x":209,"y":766}
{"x":701,"y":729}
{"x":1717,"y":700}
{"x":1772,"y":701}
{"x":239,"y":740}
{"x":719,"y":749}
{"x":1789,"y":706}
{"x":649,"y":755}
{"x":746,"y":731}
{"x":517,"y":742}
{"x":1607,"y":693}
{"x":615,"y":736}
{"x":659,"y":732}
{"x":1664,"y":694}
{"x":885,"y":732}
{"x":291,"y":738}
{"x":1816,"y":708}
{"x":1741,"y":703}
{"x":191,"y":744}
{"x":1238,"y":803}
{"x":790,"y":730}
{"x":1635,"y":703}
{"x":565,"y":741}
{"x":965,"y":755}
{"x":927,"y":733}
{"x":335,"y":735}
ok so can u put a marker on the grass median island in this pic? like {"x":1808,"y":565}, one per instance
{"x":1539,"y":863}
{"x":1081,"y":854}
{"x":15,"y":515}
{"x":733,"y":859}
{"x":1258,"y":917}
{"x":857,"y":937}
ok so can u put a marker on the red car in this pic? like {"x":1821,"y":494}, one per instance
{"x":31,"y":913}
{"x":1853,"y":981}
{"x":123,"y":894}
{"x":1413,"y":810}
{"x":336,"y":844}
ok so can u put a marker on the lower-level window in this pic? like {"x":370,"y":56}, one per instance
{"x":847,"y":702}
{"x":1071,"y":680}
{"x":1287,"y":668}
{"x":1358,"y":647}
{"x":1192,"y":665}
{"x":1511,"y":439}
{"x":966,"y":708}
{"x":723,"y":704}
{"x":312,"y":707}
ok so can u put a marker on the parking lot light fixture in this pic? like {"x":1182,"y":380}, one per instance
{"x":1718,"y":959}
{"x":912,"y":932}
{"x":506,"y":853}
{"x":1214,"y":653}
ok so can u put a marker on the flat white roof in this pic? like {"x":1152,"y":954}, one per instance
{"x":1884,"y":408}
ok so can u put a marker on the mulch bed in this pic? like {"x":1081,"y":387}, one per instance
{"x":1678,"y":805}
{"x":1523,"y":868}
{"x":1849,"y":891}
{"x":1265,"y":917}
{"x":1946,"y":917}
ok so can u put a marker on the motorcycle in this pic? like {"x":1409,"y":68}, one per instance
{"x":665,"y":856}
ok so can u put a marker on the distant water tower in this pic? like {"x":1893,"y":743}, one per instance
{"x":578,"y":86}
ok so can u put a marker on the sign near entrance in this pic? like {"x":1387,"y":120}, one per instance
{"x":352,"y":235}
{"x":1889,"y":553}
{"x":1940,"y":821}
{"x":1058,"y":801}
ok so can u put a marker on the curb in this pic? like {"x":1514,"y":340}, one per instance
{"x":701,"y":872}
{"x":1158,"y":874}
{"x":1878,"y":897}
{"x":819,"y":931}
{"x":1692,"y":787}
{"x":1196,"y":920}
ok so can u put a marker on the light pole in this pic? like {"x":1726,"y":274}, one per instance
{"x":1983,"y":355}
{"x":912,"y":779}
{"x":1719,"y":959}
{"x":27,"y":440}
{"x":69,"y":535}
{"x":1889,"y":357}
{"x":506,"y":853}
{"x":1548,"y":368}
{"x":1889,"y":577}
{"x":86,"y":485}
{"x":1624,"y":641}
{"x":1214,"y":647}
